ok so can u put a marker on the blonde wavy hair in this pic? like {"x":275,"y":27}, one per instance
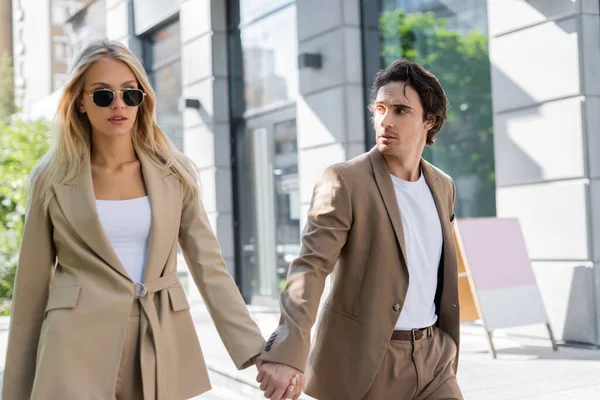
{"x":71,"y":147}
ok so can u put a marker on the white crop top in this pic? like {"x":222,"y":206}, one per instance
{"x":127,"y":226}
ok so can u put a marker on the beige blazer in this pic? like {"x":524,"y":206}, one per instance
{"x":354,"y":225}
{"x":73,"y":298}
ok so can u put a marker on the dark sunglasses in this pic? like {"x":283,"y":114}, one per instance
{"x":105,"y":97}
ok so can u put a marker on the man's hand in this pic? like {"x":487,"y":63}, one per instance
{"x":279,"y":381}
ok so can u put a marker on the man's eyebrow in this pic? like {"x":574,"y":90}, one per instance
{"x":399,"y":105}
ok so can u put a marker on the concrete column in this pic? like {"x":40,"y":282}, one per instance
{"x":330,"y":110}
{"x":31,"y":44}
{"x":330,"y":105}
{"x":206,"y":131}
{"x":6,"y":36}
{"x":545,"y":58}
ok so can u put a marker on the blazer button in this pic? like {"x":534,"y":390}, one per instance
{"x":396,"y":307}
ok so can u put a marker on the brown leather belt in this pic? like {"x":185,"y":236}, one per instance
{"x":414,"y":335}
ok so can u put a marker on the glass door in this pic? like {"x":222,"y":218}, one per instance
{"x":269,"y":202}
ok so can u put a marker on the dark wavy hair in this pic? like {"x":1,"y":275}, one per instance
{"x":432,"y":96}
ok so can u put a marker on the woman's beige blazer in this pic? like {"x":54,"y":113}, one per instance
{"x":73,"y":297}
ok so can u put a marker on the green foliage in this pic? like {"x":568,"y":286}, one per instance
{"x":7,"y":98}
{"x":460,"y":60}
{"x":22,"y":144}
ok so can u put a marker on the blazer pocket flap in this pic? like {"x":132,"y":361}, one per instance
{"x":178,"y":298}
{"x":63,"y":297}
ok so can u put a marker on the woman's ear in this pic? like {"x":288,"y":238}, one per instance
{"x":80,"y":105}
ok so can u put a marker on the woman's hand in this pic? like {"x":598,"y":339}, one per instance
{"x":280,"y":381}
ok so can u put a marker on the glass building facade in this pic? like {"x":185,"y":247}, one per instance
{"x":261,"y":126}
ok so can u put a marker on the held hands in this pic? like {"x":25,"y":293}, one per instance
{"x":279,"y":381}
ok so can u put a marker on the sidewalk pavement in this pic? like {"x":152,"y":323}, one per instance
{"x":526,"y":368}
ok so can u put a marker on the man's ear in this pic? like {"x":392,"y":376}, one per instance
{"x":429,"y":122}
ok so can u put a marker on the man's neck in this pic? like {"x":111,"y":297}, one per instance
{"x":405,"y":168}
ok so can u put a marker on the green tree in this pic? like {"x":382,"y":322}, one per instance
{"x":22,"y":144}
{"x":461,"y":62}
{"x":7,"y":97}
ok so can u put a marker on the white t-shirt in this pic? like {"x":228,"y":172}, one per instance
{"x":127,"y":226}
{"x":423,"y":239}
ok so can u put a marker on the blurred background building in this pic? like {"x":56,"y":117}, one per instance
{"x":263,"y":94}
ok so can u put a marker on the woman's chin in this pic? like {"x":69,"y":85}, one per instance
{"x":117,"y":131}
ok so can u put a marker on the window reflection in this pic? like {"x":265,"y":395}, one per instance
{"x":73,"y":24}
{"x":269,"y":52}
{"x":165,"y":44}
{"x":287,"y":197}
{"x":253,"y":9}
{"x":162,"y":58}
{"x":168,"y":91}
{"x":271,"y":201}
{"x":449,"y":38}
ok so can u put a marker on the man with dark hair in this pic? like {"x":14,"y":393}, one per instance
{"x":390,"y":327}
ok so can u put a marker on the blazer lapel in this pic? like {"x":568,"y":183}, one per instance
{"x":164,"y":193}
{"x":77,"y":201}
{"x":388,"y":194}
{"x":441,"y":202}
{"x":439,"y":196}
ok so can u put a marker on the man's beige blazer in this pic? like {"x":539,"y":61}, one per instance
{"x":354,"y":224}
{"x":73,"y":298}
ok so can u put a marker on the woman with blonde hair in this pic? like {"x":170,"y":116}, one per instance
{"x":98,"y":310}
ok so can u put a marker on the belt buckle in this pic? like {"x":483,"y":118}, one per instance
{"x":414,"y":336}
{"x":140,"y":290}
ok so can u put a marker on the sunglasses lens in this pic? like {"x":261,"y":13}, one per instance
{"x":103,"y":98}
{"x":133,"y":97}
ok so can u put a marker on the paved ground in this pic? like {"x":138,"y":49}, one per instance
{"x":526,"y":368}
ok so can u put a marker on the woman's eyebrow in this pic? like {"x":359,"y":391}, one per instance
{"x":100,"y":84}
{"x":104,"y":84}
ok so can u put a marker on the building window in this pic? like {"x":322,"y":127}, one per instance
{"x":263,"y":87}
{"x":59,"y":80}
{"x":62,"y":50}
{"x":269,"y":57}
{"x":162,"y":59}
{"x":86,"y":25}
{"x":74,"y":24}
{"x":449,"y":38}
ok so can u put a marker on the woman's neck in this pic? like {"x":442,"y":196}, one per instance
{"x":112,"y":151}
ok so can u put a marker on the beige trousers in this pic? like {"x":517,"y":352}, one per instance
{"x":417,"y":371}
{"x":129,"y":381}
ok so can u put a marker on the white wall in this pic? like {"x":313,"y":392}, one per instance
{"x":545,"y":58}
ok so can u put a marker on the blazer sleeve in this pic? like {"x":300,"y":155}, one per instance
{"x":324,"y":236}
{"x":239,"y":333}
{"x":37,"y":258}
{"x":452,"y":198}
